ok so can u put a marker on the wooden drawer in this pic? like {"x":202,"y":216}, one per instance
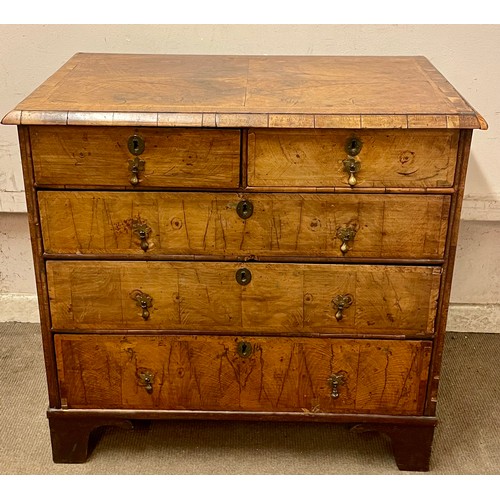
{"x":388,"y":158}
{"x":99,"y":156}
{"x":210,"y":373}
{"x":278,"y":298}
{"x":281,"y":225}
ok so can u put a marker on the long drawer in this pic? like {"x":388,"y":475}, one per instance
{"x":163,"y":157}
{"x":242,"y":373}
{"x":253,"y":298}
{"x":378,"y":158}
{"x":230,"y":226}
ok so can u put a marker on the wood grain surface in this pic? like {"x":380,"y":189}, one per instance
{"x":208,"y":373}
{"x":305,"y":225}
{"x":100,"y":156}
{"x":246,"y":91}
{"x":395,"y":158}
{"x":280,"y":298}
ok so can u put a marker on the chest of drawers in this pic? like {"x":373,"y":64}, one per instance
{"x":230,"y":237}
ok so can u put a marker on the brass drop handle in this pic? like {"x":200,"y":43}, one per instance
{"x":342,"y":302}
{"x":336,"y":380}
{"x":142,"y":230}
{"x":135,"y":166}
{"x":146,"y":379}
{"x":144,"y":301}
{"x":345,"y":234}
{"x":352,"y":166}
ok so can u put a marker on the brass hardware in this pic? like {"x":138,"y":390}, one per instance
{"x":243,"y":276}
{"x":135,"y":166}
{"x":352,"y":166}
{"x":244,"y":349}
{"x":353,"y":146}
{"x":244,"y":209}
{"x":146,"y":379}
{"x":144,"y":301}
{"x":136,"y":145}
{"x":143,"y":231}
{"x":345,"y":234}
{"x":335,"y":380}
{"x":342,"y":302}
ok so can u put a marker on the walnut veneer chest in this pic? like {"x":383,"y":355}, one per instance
{"x":232,"y":237}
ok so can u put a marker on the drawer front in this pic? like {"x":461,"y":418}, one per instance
{"x":388,"y":158}
{"x":242,"y":374}
{"x":100,"y":156}
{"x":274,"y":298}
{"x":273,"y":225}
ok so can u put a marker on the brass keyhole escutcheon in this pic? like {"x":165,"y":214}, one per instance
{"x":136,"y":145}
{"x":243,"y":276}
{"x":353,"y":146}
{"x":244,"y":209}
{"x":244,"y":349}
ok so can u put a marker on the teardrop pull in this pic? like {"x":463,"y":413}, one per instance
{"x":352,"y":180}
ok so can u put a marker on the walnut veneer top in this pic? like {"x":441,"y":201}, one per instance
{"x":247,"y":91}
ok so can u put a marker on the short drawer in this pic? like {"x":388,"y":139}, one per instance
{"x":232,"y":226}
{"x":254,"y":297}
{"x":166,"y":157}
{"x":384,"y":158}
{"x":242,"y":373}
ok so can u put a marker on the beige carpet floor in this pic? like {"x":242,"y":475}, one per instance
{"x":467,"y":441}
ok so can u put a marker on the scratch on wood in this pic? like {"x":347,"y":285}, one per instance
{"x":409,"y":372}
{"x":108,"y":369}
{"x":235,"y":371}
{"x":308,"y":372}
{"x":386,"y":371}
{"x":396,"y":296}
{"x":285,"y":375}
{"x":275,"y":231}
{"x":210,"y":211}
{"x":192,"y":369}
{"x":110,"y":222}
{"x":300,"y":222}
{"x":95,"y":204}
{"x":382,"y":228}
{"x":244,"y":233}
{"x":178,"y":299}
{"x":185,"y":225}
{"x":162,"y":380}
{"x":221,"y":221}
{"x":262,"y":388}
{"x":74,"y":224}
{"x":80,"y":370}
